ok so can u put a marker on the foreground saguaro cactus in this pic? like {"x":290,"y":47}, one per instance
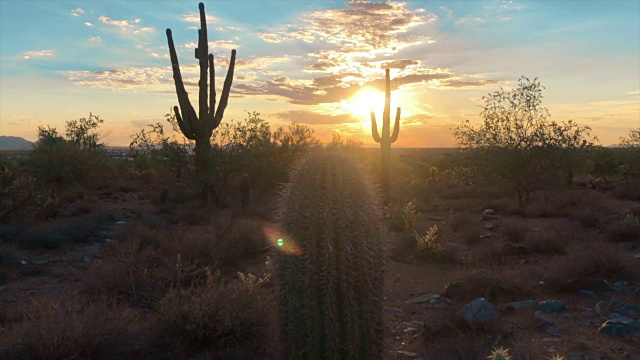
{"x":386,"y":140}
{"x":199,"y":127}
{"x":331,"y":285}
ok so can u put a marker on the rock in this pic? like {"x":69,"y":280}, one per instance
{"x":621,"y":326}
{"x":552,"y":306}
{"x":42,"y":262}
{"x":577,"y":355}
{"x":604,"y":306}
{"x":393,"y":312}
{"x":96,"y":247}
{"x":518,"y":305}
{"x":587,"y":294}
{"x":479,"y":310}
{"x":486,"y":236}
{"x":543,"y":321}
{"x":410,"y":330}
{"x":10,"y":300}
{"x":23,"y":262}
{"x":553,"y":330}
{"x":621,"y":286}
{"x":488,"y":226}
{"x":631,"y":308}
{"x":423,"y":298}
{"x":489,"y":214}
{"x":121,"y":222}
{"x":83,"y":259}
{"x":408,"y":354}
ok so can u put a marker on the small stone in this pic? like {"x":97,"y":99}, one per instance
{"x":518,"y":305}
{"x":553,"y":330}
{"x":410,"y":330}
{"x":10,"y":300}
{"x":621,"y":286}
{"x":121,"y":222}
{"x":423,"y":298}
{"x":552,"y":306}
{"x":408,"y":354}
{"x":598,"y":285}
{"x":479,"y":310}
{"x":543,"y":321}
{"x":486,"y":236}
{"x":42,"y":262}
{"x":83,"y":259}
{"x":488,"y":226}
{"x":23,"y":262}
{"x":95,"y":247}
{"x":587,"y":294}
{"x":622,"y":326}
{"x":393,"y":312}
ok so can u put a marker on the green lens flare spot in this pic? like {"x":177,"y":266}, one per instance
{"x":280,"y":242}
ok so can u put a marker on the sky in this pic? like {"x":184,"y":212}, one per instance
{"x":320,"y":63}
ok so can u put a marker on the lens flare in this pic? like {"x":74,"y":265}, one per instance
{"x":280,"y":241}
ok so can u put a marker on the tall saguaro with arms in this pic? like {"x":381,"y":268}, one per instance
{"x":386,"y":139}
{"x":200,"y":126}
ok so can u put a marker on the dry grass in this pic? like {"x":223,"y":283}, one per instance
{"x":73,"y":330}
{"x":496,"y":286}
{"x":587,"y":261}
{"x":549,"y":242}
{"x":218,"y":317}
{"x":447,"y":336}
{"x":514,"y":230}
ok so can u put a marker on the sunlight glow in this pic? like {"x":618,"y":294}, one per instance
{"x":281,"y":242}
{"x":367,"y":99}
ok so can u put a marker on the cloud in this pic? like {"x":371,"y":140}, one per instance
{"x":449,"y":12}
{"x":126,"y":26}
{"x":471,"y":20}
{"x":363,"y":28}
{"x":77,"y":12}
{"x":38,"y":54}
{"x":314,"y":118}
{"x":88,"y":24}
{"x":95,"y":39}
{"x":195,"y":18}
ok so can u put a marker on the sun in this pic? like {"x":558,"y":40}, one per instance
{"x":366,"y":100}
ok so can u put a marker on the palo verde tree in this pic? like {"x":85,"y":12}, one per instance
{"x":386,"y":139}
{"x":199,"y":127}
{"x":516,"y":142}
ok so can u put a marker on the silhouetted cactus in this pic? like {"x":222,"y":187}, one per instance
{"x":200,"y":127}
{"x":245,"y":191}
{"x":331,"y":284}
{"x":386,"y":139}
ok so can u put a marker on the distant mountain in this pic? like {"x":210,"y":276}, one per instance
{"x":14,"y":143}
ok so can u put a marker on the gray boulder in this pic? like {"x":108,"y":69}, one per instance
{"x":478,"y":311}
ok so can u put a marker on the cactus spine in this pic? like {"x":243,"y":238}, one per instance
{"x":200,"y":127}
{"x":331,"y":290}
{"x":386,"y":140}
{"x":245,"y":191}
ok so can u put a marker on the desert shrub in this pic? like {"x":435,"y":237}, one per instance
{"x":66,"y":161}
{"x":56,"y":234}
{"x":217,"y":316}
{"x":54,"y":330}
{"x":588,"y":217}
{"x":516,"y":143}
{"x":466,"y":227}
{"x":587,"y":261}
{"x":403,"y":218}
{"x":447,"y":335}
{"x":495,"y":286}
{"x":514,"y":230}
{"x":25,"y":196}
{"x":430,"y":243}
{"x":548,"y":242}
{"x":626,"y":230}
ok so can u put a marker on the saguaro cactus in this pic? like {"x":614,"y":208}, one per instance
{"x":331,"y":288}
{"x":199,"y":127}
{"x":386,"y":140}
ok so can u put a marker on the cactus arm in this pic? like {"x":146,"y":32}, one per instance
{"x":396,"y":128}
{"x":224,"y":98}
{"x":183,"y":126}
{"x":203,"y":50}
{"x":188,"y":111}
{"x":374,"y":128}
{"x":212,"y":93}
